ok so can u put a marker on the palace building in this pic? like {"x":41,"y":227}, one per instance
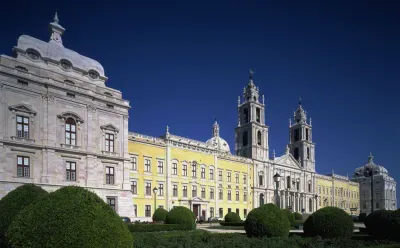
{"x":61,"y":125}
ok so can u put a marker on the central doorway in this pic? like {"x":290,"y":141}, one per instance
{"x":196,"y":208}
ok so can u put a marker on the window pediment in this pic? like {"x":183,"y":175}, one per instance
{"x":110,"y":127}
{"x":22,"y":108}
{"x":72,"y":115}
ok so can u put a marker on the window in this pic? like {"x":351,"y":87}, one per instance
{"x":194,"y":191}
{"x":70,"y":132}
{"x":298,"y":185}
{"x":147,"y":165}
{"x":258,"y":115}
{"x":135,"y":210}
{"x":184,"y":170}
{"x":229,"y":195}
{"x":109,"y":142}
{"x":221,"y":194}
{"x":212,"y":194}
{"x":110,"y":106}
{"x":237,"y":177}
{"x":229,"y":177}
{"x":134,"y":163}
{"x":261,"y":199}
{"x":288,"y":182}
{"x":70,"y":95}
{"x":174,"y":169}
{"x":245,"y":139}
{"x":203,"y":173}
{"x":184,"y":191}
{"x":211,"y":212}
{"x":244,"y":179}
{"x":308,"y":152}
{"x":22,"y":127}
{"x":134,"y":187}
{"x":109,"y":175}
{"x":319,"y":189}
{"x":147,"y":211}
{"x":237,"y":211}
{"x":71,"y":171}
{"x":111,"y":202}
{"x":211,"y":174}
{"x":65,"y":64}
{"x":23,"y":166}
{"x":23,"y":83}
{"x":21,"y":68}
{"x":160,"y":167}
{"x":309,"y":186}
{"x":244,"y":196}
{"x":220,"y":175}
{"x":237,"y":195}
{"x":148,"y":188}
{"x":161,"y":189}
{"x":296,"y":135}
{"x":221,"y":212}
{"x":229,"y":210}
{"x":93,"y":74}
{"x":296,"y":153}
{"x":246,"y":115}
{"x":259,"y":137}
{"x":307,"y":137}
{"x":260,"y":180}
{"x":108,"y":94}
{"x":194,"y":171}
{"x":175,"y":190}
{"x":203,"y":192}
{"x":245,"y":213}
{"x":310,"y":204}
{"x":33,"y":55}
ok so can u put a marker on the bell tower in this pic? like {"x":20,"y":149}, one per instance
{"x":251,"y":134}
{"x":301,"y":146}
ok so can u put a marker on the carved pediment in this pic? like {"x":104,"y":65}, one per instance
{"x":197,"y":199}
{"x":288,"y":160}
{"x":72,"y":115}
{"x":110,"y":127}
{"x":22,"y":108}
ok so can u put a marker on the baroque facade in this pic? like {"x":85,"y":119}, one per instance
{"x":60,"y":124}
{"x":384,"y":187}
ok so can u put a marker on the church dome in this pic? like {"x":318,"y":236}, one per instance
{"x":378,"y":169}
{"x":217,"y":142}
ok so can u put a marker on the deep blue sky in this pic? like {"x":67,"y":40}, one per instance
{"x":184,"y":64}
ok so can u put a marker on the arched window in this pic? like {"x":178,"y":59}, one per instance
{"x":296,"y":153}
{"x":245,"y":139}
{"x":308,"y":152}
{"x":259,"y":138}
{"x":261,"y":199}
{"x":70,"y":132}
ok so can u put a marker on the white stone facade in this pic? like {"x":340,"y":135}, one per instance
{"x":384,"y":188}
{"x":60,"y":125}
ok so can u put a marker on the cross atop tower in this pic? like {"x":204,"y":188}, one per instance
{"x":56,"y":30}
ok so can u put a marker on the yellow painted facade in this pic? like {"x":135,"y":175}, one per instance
{"x":338,"y":191}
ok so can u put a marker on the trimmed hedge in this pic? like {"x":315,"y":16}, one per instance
{"x":378,"y":223}
{"x":224,"y":223}
{"x":297,"y":216}
{"x":69,"y":217}
{"x":362,"y":217}
{"x":134,"y":228}
{"x":232,"y":217}
{"x":14,"y":202}
{"x":329,"y":222}
{"x":290,"y":216}
{"x":160,"y":215}
{"x":394,"y":225}
{"x":267,"y":220}
{"x":182,"y":216}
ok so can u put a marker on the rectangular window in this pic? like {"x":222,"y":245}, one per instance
{"x":70,"y":95}
{"x":175,"y":191}
{"x":229,"y":210}
{"x":220,"y":175}
{"x":111,"y":202}
{"x":194,"y":171}
{"x":237,"y":177}
{"x":147,"y":165}
{"x":161,"y":189}
{"x":229,"y":195}
{"x":203,"y":173}
{"x":203,"y":193}
{"x":246,"y":115}
{"x":307,"y":137}
{"x":258,"y":115}
{"x":296,"y":135}
{"x":211,"y":174}
{"x":298,"y":185}
{"x":109,"y":175}
{"x":237,"y":211}
{"x":244,"y":196}
{"x":134,"y":187}
{"x":237,"y":195}
{"x":109,"y":142}
{"x":288,"y":182}
{"x":260,"y":180}
{"x":134,"y":163}
{"x":244,"y":179}
{"x":23,"y":165}
{"x":160,"y":167}
{"x":22,"y":127}
{"x":221,"y":212}
{"x":174,"y":169}
{"x":229,"y":177}
{"x":70,"y":132}
{"x":211,"y":212}
{"x":184,"y":191}
{"x":194,"y":191}
{"x":245,"y":213}
{"x":221,"y":194}
{"x":71,"y":171}
{"x":147,"y":211}
{"x":184,"y":170}
{"x":212,"y":194}
{"x":148,"y":188}
{"x":309,"y":187}
{"x":135,"y":210}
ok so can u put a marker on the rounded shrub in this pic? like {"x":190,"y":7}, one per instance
{"x":232,"y":217}
{"x":393,"y":228}
{"x":329,"y":222}
{"x":69,"y":217}
{"x":160,"y":214}
{"x":182,"y":216}
{"x":289,"y":215}
{"x":267,"y":220}
{"x":378,"y":223}
{"x":297,"y":216}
